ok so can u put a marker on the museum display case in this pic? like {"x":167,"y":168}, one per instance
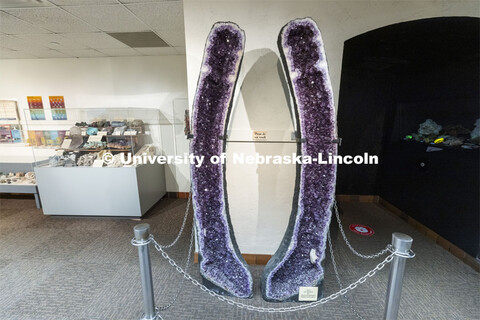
{"x":88,"y":172}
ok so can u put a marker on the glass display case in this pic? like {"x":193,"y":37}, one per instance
{"x":82,"y":163}
{"x":88,"y":133}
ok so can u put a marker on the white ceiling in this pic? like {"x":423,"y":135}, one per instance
{"x":78,"y":28}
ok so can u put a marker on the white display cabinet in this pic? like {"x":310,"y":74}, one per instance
{"x":75,"y":180}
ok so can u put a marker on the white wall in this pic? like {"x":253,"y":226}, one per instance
{"x":143,"y":82}
{"x":260,"y":196}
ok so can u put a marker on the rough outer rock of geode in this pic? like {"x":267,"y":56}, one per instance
{"x":222,"y":267}
{"x":297,"y":262}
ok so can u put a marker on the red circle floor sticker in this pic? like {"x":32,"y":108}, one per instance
{"x":361,"y":229}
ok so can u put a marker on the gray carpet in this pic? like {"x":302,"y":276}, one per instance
{"x":85,"y":268}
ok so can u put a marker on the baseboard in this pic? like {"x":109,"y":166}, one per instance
{"x":178,"y":195}
{"x":356,"y":198}
{"x":432,"y":235}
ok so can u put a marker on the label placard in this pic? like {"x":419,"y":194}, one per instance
{"x":130,"y":133}
{"x":97,"y":163}
{"x":94,"y":138}
{"x":66,"y":143}
{"x":308,"y":294}
{"x":259,"y":135}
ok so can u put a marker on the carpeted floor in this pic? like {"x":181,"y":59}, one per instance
{"x":86,"y":268}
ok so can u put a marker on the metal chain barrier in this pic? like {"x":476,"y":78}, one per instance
{"x":187,"y":210}
{"x":337,"y":275}
{"x":331,"y":297}
{"x":187,"y":264}
{"x":388,"y":248}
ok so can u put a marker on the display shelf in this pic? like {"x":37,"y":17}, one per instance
{"x":94,"y":150}
{"x":69,"y":185}
{"x":22,"y":188}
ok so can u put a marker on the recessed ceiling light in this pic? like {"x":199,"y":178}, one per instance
{"x":146,"y":39}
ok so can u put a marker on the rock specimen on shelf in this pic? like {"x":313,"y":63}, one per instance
{"x":456,"y":130}
{"x":475,"y":134}
{"x":429,"y":128}
{"x":297,"y":262}
{"x":222,"y":267}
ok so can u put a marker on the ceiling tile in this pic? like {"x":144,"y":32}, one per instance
{"x":48,"y":54}
{"x":15,"y":43}
{"x":175,"y":38}
{"x":12,"y":25}
{"x":121,"y":52}
{"x":52,"y":41}
{"x":53,"y":19}
{"x":82,"y":2}
{"x":83,"y":53}
{"x":10,"y":54}
{"x":96,"y":40}
{"x":168,"y":51}
{"x":113,"y":18}
{"x":142,"y":1}
{"x":24,"y":3}
{"x":166,"y":15}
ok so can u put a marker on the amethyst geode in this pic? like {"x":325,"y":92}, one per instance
{"x":297,"y":262}
{"x":222,"y":267}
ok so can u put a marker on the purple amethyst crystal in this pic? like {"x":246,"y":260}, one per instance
{"x":297,"y":262}
{"x":222,"y":267}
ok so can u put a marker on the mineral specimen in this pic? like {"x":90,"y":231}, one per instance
{"x":222,"y":267}
{"x":76,"y":136}
{"x":429,"y":127}
{"x":456,"y":130}
{"x":297,"y":262}
{"x":475,"y":134}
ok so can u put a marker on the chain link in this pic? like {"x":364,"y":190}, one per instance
{"x":187,"y":210}
{"x":337,"y":275}
{"x":331,"y":297}
{"x":187,"y":264}
{"x":388,"y":248}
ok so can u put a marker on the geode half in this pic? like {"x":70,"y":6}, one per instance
{"x":297,"y":262}
{"x":222,"y":267}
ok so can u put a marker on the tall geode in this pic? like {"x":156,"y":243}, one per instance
{"x":297,"y":262}
{"x":222,"y":267}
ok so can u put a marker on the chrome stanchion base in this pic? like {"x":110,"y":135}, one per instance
{"x":156,"y":316}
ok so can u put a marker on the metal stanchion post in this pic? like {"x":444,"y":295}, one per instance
{"x":141,"y":240}
{"x":401,"y":244}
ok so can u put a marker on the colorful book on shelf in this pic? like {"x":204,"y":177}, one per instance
{"x":47,"y":141}
{"x":53,"y":138}
{"x":16,"y":135}
{"x":39,"y":139}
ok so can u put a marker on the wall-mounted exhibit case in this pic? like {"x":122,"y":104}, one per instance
{"x":85,"y":174}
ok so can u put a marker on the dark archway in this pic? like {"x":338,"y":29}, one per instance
{"x":393,"y":79}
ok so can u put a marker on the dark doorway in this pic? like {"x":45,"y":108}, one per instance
{"x":393,"y":79}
